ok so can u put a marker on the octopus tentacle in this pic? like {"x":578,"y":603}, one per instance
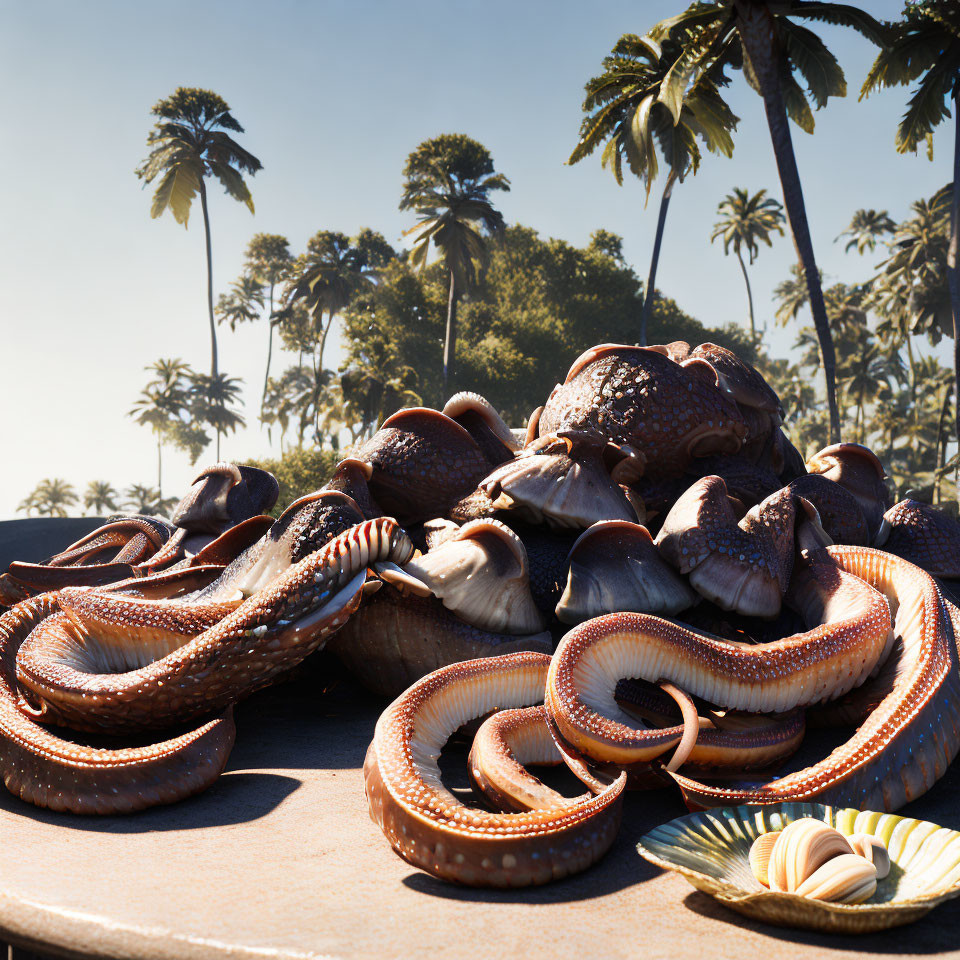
{"x":828,"y":660}
{"x":906,"y":743}
{"x":428,"y":826}
{"x":49,"y":771}
{"x":505,"y":744}
{"x":268,"y":633}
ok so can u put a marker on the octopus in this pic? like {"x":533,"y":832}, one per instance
{"x":646,"y":584}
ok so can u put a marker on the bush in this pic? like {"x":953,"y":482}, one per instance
{"x":300,"y":470}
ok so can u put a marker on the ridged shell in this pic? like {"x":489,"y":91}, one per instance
{"x":711,"y":850}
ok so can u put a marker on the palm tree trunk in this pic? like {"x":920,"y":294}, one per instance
{"x":746,"y":280}
{"x":655,"y":258}
{"x":913,"y":372}
{"x":450,"y":336}
{"x":213,"y":328}
{"x":941,"y":441}
{"x":757,"y":31}
{"x":266,"y":376}
{"x":952,"y":280}
{"x":159,"y":470}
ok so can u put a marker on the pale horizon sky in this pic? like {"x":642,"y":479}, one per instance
{"x":333,"y":96}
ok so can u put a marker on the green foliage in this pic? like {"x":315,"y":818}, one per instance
{"x":866,"y":226}
{"x":541,"y":303}
{"x":648,"y":98}
{"x":748,"y":220}
{"x":100,"y":497}
{"x":188,"y":143}
{"x":925,"y":46}
{"x":447,"y":183}
{"x":50,"y":498}
{"x":243,"y":304}
{"x":299,"y":471}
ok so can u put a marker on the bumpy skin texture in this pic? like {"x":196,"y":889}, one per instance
{"x":907,"y":742}
{"x":668,"y":411}
{"x":268,"y":633}
{"x":429,"y":827}
{"x":825,"y":662}
{"x":393,"y":641}
{"x":740,"y":564}
{"x":423,"y":463}
{"x":840,"y":512}
{"x":47,"y":770}
{"x":923,"y":535}
{"x":859,"y":470}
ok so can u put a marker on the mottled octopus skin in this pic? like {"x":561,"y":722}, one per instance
{"x":811,"y":667}
{"x":668,"y":411}
{"x":430,"y":828}
{"x":923,"y":535}
{"x":394,"y":640}
{"x":423,"y":463}
{"x":44,"y":769}
{"x":907,"y":742}
{"x":268,"y":633}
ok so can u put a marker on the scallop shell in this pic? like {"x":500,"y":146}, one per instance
{"x":711,"y":849}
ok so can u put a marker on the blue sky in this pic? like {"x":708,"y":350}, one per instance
{"x":333,"y":96}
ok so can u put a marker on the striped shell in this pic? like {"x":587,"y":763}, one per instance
{"x":711,"y":849}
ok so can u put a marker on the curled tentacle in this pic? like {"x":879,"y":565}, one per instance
{"x":47,"y":770}
{"x":907,"y":742}
{"x":429,"y":827}
{"x":267,"y":634}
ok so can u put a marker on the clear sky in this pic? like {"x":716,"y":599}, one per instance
{"x":333,"y":95}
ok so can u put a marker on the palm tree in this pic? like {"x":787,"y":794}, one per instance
{"x":635,"y":105}
{"x":865,"y":227}
{"x":792,"y":294}
{"x":146,"y":500}
{"x":268,"y":262}
{"x":100,"y":497}
{"x":188,"y":143}
{"x":761,"y":37}
{"x":447,"y":183}
{"x":211,"y":402}
{"x":926,"y":47}
{"x":746,"y":220}
{"x":50,"y":498}
{"x":242,"y":304}
{"x":161,"y":403}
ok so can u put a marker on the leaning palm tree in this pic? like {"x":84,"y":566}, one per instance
{"x":745,"y":221}
{"x":633,"y":106}
{"x":268,"y":262}
{"x":761,"y":37}
{"x":100,"y":497}
{"x":866,"y":227}
{"x":447,"y":183}
{"x":188,"y":143}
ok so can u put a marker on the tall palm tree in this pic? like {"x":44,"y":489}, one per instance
{"x":100,"y":497}
{"x":212,"y":401}
{"x":268,"y":261}
{"x":161,"y":403}
{"x":326,"y":279}
{"x":50,"y":498}
{"x":636,"y":105}
{"x":146,"y":500}
{"x":447,"y":183}
{"x":866,"y":226}
{"x":188,"y":143}
{"x":762,"y":37}
{"x":747,"y":220}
